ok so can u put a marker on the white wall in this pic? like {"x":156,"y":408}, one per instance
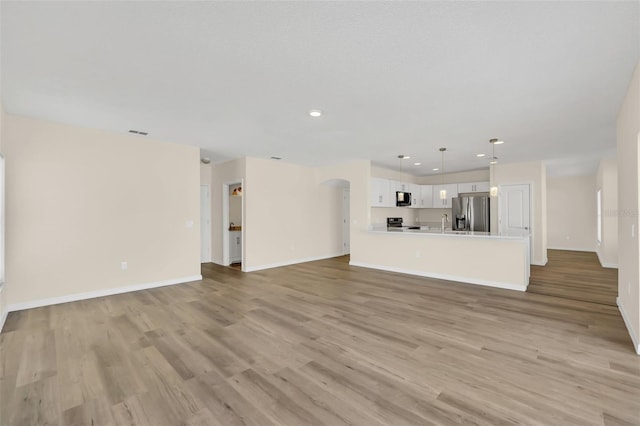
{"x":607,"y":182}
{"x":571,"y":213}
{"x":80,"y":201}
{"x":289,"y":216}
{"x":533,"y":173}
{"x":628,"y":138}
{"x":3,"y":299}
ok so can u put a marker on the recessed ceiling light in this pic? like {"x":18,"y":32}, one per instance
{"x":417,"y":164}
{"x":435,"y":169}
{"x":315,"y":113}
{"x":494,"y":160}
{"x":480,"y":155}
{"x":403,"y":157}
{"x":496,"y":141}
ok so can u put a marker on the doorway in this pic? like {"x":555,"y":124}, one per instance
{"x":232,"y":224}
{"x":205,"y":224}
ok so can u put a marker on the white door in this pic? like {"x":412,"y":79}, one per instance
{"x":515,"y":210}
{"x":346,"y":248}
{"x":205,"y":224}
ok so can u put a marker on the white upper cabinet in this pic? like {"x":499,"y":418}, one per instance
{"x":401,"y":186}
{"x":464,"y":188}
{"x":415,"y":191}
{"x":426,"y":196}
{"x":452,"y":192}
{"x":382,"y":193}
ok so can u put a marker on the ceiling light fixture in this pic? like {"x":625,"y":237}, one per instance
{"x":480,"y":155}
{"x":493,"y":191}
{"x":276,"y":158}
{"x":417,"y":164}
{"x":443,"y":192}
{"x":315,"y":113}
{"x":435,"y":169}
{"x":205,"y":160}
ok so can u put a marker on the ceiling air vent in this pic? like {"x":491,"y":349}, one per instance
{"x":138,"y":132}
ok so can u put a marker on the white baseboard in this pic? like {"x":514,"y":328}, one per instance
{"x":543,"y":263}
{"x":99,"y":293}
{"x":606,"y":264}
{"x":630,"y":329}
{"x":572,"y":249}
{"x":291,"y":262}
{"x":508,"y":286}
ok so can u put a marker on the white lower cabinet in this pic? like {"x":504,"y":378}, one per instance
{"x":235,"y":246}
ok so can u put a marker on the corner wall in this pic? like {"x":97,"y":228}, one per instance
{"x":289,"y":217}
{"x":628,"y":139}
{"x":607,"y":182}
{"x":572,"y":213}
{"x":81,"y":201}
{"x":535,"y":174}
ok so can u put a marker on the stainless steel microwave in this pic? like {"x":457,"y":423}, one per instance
{"x":403,"y":199}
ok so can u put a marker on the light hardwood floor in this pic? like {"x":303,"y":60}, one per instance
{"x":319,"y":343}
{"x":575,"y":275}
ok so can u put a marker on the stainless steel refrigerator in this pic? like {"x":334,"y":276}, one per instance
{"x":471,"y":212}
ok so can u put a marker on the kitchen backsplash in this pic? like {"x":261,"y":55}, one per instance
{"x":379,"y":215}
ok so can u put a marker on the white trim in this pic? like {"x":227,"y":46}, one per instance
{"x":630,"y":330}
{"x":508,"y":286}
{"x":209,"y":226}
{"x":543,"y":263}
{"x":218,"y":262}
{"x":99,"y":293}
{"x":606,"y":264}
{"x":572,"y":249}
{"x":3,"y":319}
{"x":291,"y":262}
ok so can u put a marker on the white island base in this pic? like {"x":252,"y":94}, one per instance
{"x":488,"y":260}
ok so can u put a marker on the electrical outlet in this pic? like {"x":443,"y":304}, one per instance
{"x":123,"y":266}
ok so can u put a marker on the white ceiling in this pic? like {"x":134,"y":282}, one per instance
{"x":238,"y":78}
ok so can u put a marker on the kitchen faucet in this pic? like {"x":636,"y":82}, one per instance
{"x":445,"y":219}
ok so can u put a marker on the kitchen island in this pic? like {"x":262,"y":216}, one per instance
{"x":465,"y":256}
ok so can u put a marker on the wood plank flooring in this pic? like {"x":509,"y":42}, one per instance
{"x":319,"y":343}
{"x":575,"y":275}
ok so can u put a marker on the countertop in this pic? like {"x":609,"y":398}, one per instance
{"x":429,"y":231}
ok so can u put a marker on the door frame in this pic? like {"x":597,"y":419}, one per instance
{"x":346,"y":221}
{"x":207,"y":226}
{"x":225,"y":222}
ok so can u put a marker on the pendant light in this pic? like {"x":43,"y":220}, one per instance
{"x":493,"y":191}
{"x":443,"y":191}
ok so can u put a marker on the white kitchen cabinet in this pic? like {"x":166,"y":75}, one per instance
{"x":464,"y":188}
{"x":400,"y":186}
{"x":235,"y":246}
{"x":415,"y":191}
{"x":452,"y":192}
{"x":426,"y":196}
{"x":382,"y":195}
